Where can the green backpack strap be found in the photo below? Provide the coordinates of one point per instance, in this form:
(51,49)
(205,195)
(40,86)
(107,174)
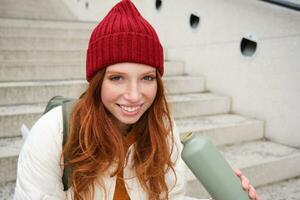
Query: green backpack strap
(54,102)
(66,112)
(67,106)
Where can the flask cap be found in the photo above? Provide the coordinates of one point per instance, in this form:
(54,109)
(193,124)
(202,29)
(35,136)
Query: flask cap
(186,136)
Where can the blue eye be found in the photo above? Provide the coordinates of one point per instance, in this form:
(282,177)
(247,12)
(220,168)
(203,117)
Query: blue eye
(115,78)
(149,78)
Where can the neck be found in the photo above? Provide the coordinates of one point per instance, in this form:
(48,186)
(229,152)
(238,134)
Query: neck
(124,128)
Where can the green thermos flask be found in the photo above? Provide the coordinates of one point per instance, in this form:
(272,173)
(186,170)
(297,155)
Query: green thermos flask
(211,169)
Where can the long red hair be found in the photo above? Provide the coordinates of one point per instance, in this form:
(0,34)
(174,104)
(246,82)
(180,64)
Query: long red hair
(95,142)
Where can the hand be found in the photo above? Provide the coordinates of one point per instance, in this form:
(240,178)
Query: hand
(246,185)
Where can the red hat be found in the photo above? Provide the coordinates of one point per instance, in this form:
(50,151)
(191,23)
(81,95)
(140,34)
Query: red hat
(123,36)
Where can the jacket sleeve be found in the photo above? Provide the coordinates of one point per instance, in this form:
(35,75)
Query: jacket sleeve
(39,173)
(176,186)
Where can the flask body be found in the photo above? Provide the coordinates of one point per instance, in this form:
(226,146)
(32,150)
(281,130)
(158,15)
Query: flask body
(211,169)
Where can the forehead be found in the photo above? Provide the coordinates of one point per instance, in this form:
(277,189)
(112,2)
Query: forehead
(130,68)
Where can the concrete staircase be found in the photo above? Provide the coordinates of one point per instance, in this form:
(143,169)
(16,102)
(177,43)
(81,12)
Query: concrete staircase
(40,59)
(35,9)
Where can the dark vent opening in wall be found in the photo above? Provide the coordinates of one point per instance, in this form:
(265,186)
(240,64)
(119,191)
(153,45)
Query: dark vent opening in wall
(248,47)
(158,4)
(194,20)
(86,5)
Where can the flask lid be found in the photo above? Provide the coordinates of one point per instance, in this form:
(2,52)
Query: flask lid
(186,136)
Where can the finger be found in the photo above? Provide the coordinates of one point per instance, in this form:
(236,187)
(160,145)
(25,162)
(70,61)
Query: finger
(238,172)
(245,182)
(257,197)
(252,192)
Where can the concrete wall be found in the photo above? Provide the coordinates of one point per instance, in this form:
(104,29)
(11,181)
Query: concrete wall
(265,86)
(90,10)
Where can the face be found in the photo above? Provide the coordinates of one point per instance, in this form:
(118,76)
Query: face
(128,90)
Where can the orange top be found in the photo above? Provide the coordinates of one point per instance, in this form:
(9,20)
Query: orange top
(120,190)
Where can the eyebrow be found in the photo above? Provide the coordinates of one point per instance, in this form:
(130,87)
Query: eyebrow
(150,72)
(114,72)
(122,73)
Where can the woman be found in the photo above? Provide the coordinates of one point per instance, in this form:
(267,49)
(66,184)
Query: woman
(122,142)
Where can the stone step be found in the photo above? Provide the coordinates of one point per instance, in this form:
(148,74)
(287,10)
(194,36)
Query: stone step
(34,9)
(9,151)
(33,71)
(263,162)
(44,32)
(26,92)
(177,84)
(283,190)
(223,129)
(173,68)
(46,24)
(7,56)
(44,29)
(28,14)
(12,117)
(7,190)
(39,71)
(37,43)
(54,55)
(198,104)
(29,92)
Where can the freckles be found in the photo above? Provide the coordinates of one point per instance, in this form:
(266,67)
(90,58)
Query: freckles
(154,89)
(107,92)
(110,94)
(151,92)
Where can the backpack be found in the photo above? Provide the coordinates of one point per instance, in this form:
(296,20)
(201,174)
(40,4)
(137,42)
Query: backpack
(67,104)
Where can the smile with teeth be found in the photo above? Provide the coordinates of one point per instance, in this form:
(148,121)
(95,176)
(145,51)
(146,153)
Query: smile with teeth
(130,109)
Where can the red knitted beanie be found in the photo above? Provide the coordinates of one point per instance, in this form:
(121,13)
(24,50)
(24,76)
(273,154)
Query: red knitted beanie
(123,36)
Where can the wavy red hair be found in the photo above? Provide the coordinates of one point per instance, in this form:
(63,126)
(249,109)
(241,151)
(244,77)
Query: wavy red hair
(91,147)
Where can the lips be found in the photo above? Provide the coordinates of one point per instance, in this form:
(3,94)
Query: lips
(130,109)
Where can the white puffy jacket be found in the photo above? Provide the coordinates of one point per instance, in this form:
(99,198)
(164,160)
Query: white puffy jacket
(39,174)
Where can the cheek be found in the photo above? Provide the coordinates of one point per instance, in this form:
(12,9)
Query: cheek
(151,92)
(108,93)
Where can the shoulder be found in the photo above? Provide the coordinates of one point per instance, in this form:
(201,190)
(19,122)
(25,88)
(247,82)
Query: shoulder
(52,119)
(40,160)
(47,130)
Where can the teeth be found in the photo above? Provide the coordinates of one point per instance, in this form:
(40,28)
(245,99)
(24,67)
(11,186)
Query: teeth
(130,109)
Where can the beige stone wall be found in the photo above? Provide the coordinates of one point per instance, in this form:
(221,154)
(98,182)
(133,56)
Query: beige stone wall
(266,85)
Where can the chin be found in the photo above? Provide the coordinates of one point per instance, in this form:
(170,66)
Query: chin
(129,122)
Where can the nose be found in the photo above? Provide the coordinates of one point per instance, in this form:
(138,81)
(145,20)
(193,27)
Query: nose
(133,92)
